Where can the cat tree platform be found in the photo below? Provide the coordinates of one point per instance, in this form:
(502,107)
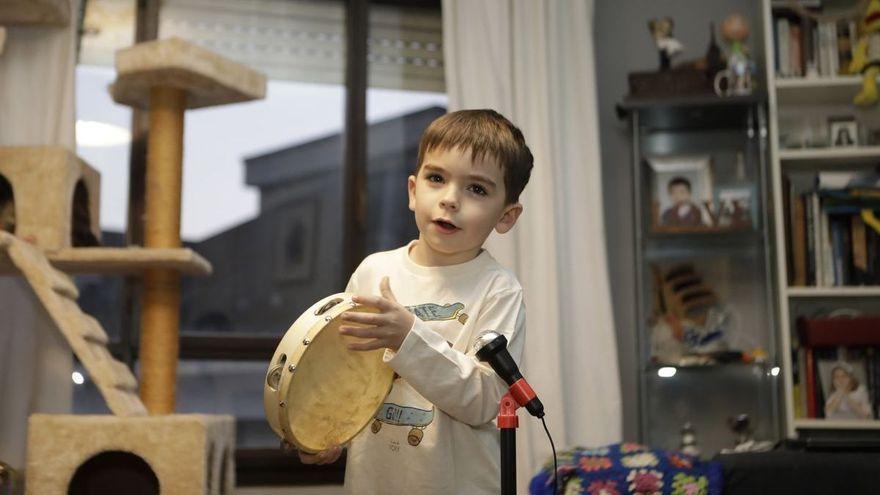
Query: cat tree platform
(35,12)
(207,78)
(121,261)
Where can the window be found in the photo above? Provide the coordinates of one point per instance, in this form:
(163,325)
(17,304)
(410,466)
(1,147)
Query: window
(262,197)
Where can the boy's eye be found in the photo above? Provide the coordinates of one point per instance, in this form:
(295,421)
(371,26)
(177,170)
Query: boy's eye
(434,178)
(478,189)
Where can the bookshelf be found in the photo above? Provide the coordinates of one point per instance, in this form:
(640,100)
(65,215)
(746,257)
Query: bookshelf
(791,98)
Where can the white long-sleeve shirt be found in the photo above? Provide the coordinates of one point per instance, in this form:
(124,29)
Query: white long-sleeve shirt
(435,432)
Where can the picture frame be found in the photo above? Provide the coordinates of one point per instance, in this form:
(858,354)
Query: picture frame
(736,206)
(843,132)
(685,180)
(839,402)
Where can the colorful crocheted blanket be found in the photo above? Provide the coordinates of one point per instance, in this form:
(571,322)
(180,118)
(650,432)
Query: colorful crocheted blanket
(629,468)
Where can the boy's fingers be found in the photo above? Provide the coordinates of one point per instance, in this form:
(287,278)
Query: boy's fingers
(365,318)
(367,346)
(328,456)
(308,458)
(363,332)
(385,289)
(377,302)
(331,455)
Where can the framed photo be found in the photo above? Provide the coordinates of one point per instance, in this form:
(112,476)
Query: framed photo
(843,132)
(736,207)
(296,241)
(681,190)
(845,389)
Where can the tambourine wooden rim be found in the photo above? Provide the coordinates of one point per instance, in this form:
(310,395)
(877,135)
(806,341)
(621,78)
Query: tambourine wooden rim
(314,331)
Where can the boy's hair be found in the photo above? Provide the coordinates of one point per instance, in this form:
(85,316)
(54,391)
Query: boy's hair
(487,134)
(679,181)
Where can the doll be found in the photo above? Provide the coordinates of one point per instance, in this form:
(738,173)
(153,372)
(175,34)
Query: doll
(661,31)
(866,56)
(735,30)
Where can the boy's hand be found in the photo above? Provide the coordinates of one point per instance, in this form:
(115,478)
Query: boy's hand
(328,456)
(388,327)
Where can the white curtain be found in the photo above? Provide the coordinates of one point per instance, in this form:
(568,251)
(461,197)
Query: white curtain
(36,108)
(532,60)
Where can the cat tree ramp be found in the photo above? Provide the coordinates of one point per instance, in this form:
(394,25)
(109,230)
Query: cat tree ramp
(179,453)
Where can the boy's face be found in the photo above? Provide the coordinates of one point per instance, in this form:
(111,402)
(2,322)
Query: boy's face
(679,193)
(457,202)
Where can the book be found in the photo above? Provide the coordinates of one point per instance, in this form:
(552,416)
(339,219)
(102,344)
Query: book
(834,180)
(818,250)
(783,50)
(799,239)
(837,248)
(844,47)
(832,49)
(810,382)
(873,249)
(859,250)
(827,250)
(824,62)
(810,222)
(796,50)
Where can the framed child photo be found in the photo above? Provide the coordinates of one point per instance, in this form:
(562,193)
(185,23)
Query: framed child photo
(845,389)
(681,190)
(843,132)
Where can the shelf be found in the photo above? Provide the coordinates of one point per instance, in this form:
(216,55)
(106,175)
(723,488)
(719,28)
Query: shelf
(717,366)
(659,246)
(861,291)
(830,157)
(129,260)
(694,112)
(698,100)
(834,424)
(838,90)
(693,233)
(785,5)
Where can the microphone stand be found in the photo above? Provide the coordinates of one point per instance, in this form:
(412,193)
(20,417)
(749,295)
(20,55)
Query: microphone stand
(508,422)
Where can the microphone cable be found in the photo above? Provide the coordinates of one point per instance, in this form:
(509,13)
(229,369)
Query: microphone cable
(553,448)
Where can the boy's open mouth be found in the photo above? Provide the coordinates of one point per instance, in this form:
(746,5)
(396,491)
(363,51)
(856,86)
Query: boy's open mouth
(445,225)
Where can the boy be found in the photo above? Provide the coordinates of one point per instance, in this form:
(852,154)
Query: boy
(435,433)
(683,212)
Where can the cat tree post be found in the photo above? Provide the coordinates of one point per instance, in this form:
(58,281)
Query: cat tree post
(160,305)
(167,77)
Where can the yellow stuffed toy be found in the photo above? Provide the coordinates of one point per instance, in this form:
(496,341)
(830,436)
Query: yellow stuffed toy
(866,56)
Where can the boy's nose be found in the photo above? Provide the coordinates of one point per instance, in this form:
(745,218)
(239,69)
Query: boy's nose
(449,203)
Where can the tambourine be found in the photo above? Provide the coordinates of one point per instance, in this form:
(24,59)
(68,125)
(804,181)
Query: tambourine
(317,392)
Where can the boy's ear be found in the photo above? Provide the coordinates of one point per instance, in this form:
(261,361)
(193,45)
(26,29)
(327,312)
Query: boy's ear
(508,218)
(411,191)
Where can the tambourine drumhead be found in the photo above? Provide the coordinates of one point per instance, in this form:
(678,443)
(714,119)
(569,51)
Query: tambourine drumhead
(318,393)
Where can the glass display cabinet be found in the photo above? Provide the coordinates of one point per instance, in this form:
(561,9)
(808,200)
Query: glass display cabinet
(705,290)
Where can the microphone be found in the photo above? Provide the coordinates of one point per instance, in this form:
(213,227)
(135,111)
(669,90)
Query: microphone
(491,348)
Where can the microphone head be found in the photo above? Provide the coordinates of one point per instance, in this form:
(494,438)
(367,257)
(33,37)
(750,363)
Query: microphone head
(488,343)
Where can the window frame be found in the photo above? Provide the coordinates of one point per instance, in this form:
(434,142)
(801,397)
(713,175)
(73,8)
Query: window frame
(262,466)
